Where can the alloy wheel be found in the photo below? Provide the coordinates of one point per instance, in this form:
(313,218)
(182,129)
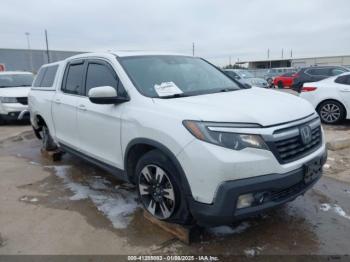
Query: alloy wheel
(330,113)
(156,192)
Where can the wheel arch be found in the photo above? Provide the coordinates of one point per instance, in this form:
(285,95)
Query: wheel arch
(139,146)
(330,100)
(39,122)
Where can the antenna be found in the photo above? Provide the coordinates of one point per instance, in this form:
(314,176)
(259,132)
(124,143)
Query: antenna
(47,47)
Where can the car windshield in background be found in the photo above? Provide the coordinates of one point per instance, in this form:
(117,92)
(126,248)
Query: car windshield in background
(15,80)
(181,75)
(245,74)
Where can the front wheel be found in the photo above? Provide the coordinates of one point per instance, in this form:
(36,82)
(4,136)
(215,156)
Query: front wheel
(47,141)
(159,188)
(331,112)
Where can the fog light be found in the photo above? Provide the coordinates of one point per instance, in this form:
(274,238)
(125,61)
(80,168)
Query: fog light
(245,200)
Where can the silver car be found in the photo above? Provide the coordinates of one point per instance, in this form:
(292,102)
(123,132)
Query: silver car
(246,77)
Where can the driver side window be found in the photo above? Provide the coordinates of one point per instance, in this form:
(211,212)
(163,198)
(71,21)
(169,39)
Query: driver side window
(100,74)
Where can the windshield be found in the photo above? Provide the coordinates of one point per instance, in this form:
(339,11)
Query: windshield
(15,80)
(245,74)
(183,76)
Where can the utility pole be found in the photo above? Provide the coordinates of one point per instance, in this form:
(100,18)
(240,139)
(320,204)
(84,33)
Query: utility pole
(192,49)
(47,47)
(282,53)
(30,55)
(268,53)
(291,53)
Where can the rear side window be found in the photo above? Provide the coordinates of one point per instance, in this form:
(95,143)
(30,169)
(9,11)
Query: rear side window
(39,77)
(318,71)
(74,77)
(337,71)
(100,75)
(49,76)
(345,80)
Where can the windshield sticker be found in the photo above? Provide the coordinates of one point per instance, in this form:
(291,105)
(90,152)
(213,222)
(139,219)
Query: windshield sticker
(167,89)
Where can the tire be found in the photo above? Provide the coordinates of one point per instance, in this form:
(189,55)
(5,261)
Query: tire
(47,142)
(331,112)
(159,188)
(280,84)
(2,121)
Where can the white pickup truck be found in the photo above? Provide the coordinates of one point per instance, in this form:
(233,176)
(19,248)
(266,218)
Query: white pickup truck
(199,146)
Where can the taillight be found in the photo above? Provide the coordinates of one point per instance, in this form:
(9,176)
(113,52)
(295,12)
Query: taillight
(308,89)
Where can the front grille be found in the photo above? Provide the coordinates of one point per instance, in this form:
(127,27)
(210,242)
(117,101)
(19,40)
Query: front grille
(22,100)
(292,148)
(287,192)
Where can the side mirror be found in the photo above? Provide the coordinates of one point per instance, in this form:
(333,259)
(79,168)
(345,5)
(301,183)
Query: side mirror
(105,95)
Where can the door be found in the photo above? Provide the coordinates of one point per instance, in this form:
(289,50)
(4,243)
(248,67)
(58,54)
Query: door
(64,106)
(317,74)
(99,126)
(344,89)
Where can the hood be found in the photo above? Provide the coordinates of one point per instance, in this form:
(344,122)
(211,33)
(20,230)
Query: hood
(14,91)
(254,105)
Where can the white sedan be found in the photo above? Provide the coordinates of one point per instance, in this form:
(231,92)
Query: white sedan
(330,97)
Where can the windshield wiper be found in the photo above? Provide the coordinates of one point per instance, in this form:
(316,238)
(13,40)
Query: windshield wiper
(173,96)
(228,89)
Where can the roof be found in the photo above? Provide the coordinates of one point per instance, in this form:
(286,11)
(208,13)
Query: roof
(15,73)
(125,54)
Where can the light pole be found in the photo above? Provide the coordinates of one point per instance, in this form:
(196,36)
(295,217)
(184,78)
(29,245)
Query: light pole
(29,52)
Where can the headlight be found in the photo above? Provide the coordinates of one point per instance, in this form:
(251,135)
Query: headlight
(8,100)
(201,130)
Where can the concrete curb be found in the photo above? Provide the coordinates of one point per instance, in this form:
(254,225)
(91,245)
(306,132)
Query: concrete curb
(338,144)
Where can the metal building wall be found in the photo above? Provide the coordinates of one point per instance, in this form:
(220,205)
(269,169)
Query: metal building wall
(322,61)
(30,60)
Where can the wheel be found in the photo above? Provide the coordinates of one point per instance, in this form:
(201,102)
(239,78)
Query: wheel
(280,84)
(47,142)
(331,112)
(2,121)
(159,188)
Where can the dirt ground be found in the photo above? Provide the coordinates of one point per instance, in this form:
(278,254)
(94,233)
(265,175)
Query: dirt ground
(72,207)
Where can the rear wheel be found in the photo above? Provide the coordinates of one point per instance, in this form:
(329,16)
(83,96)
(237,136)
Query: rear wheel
(159,188)
(331,112)
(47,141)
(280,84)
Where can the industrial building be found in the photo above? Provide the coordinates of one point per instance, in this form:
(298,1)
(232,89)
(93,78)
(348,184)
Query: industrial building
(299,62)
(30,59)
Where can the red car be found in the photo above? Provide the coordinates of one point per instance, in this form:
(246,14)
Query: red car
(285,80)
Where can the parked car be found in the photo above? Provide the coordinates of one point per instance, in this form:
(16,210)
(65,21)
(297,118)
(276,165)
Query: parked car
(273,72)
(197,145)
(330,97)
(246,77)
(14,89)
(315,73)
(285,80)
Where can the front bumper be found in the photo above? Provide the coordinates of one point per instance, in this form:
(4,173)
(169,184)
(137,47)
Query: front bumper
(282,187)
(13,116)
(6,108)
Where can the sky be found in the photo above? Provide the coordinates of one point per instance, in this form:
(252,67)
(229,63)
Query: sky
(221,30)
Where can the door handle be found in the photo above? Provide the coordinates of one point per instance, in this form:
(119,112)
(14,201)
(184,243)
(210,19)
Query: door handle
(57,101)
(345,89)
(82,107)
